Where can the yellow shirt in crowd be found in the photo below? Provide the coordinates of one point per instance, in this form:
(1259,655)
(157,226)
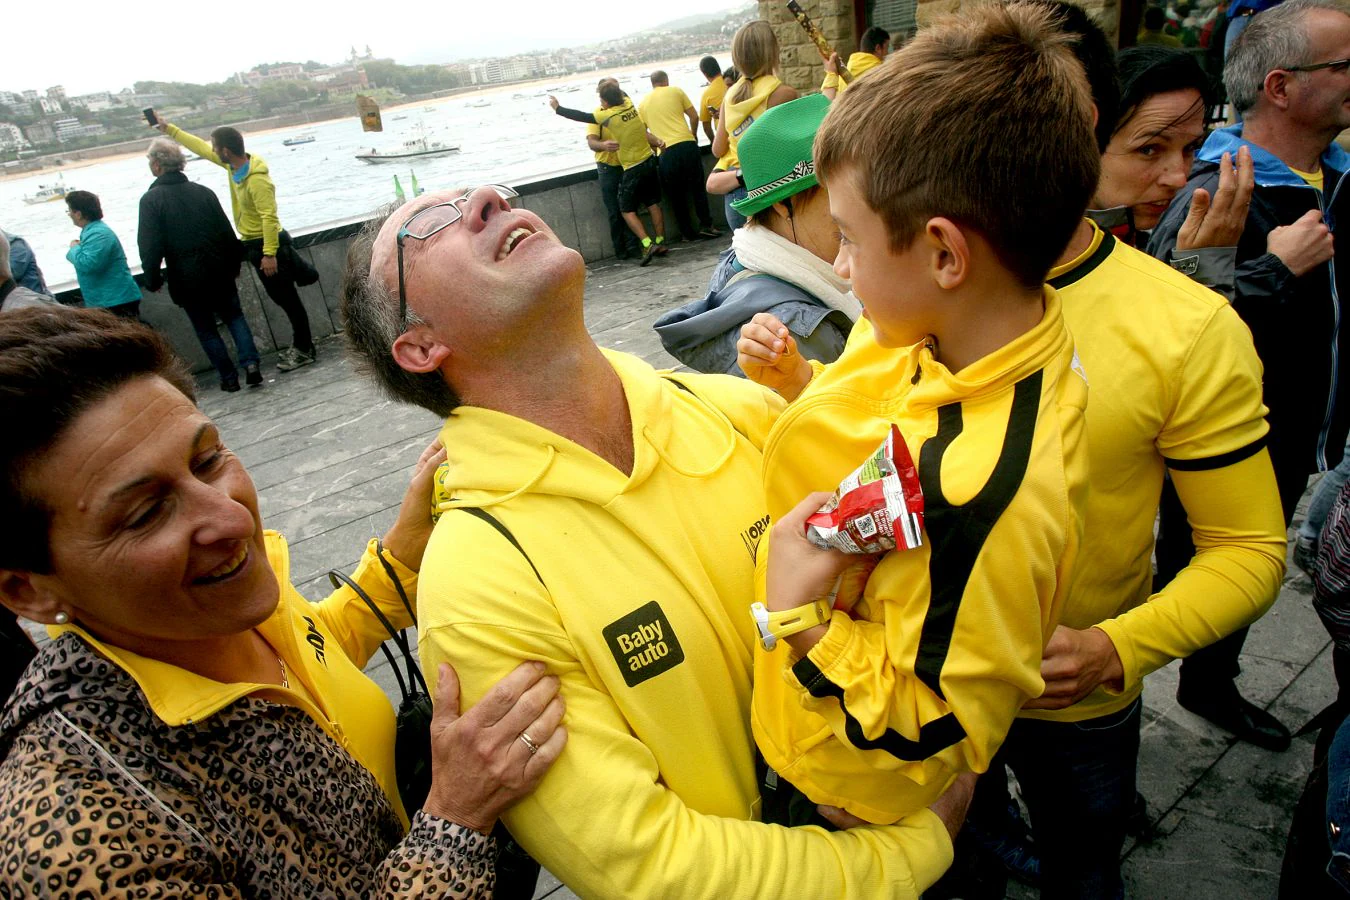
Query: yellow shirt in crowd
(664,112)
(608,157)
(711,101)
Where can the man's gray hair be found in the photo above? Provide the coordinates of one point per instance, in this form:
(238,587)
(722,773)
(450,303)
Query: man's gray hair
(1274,39)
(167,154)
(5,272)
(370,320)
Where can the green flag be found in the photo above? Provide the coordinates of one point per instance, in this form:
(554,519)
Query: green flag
(398,191)
(417,191)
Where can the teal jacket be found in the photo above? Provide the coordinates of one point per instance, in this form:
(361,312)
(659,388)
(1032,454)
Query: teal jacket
(101,267)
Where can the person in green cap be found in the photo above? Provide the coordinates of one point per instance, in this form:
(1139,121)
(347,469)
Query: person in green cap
(780,262)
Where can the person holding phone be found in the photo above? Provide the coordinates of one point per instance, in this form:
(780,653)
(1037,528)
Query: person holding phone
(268,247)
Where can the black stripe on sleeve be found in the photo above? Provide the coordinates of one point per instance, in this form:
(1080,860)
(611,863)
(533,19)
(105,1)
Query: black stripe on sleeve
(957,533)
(1217,462)
(934,737)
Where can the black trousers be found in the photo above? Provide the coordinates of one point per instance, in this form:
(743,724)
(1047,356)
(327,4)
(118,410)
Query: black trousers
(683,183)
(281,288)
(1218,662)
(625,242)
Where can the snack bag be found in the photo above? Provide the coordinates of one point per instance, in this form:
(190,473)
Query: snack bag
(877,508)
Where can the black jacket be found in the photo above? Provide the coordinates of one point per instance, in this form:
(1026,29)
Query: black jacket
(183,225)
(1295,321)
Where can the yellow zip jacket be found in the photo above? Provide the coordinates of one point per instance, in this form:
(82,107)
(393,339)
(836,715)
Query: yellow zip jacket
(1177,388)
(254,201)
(325,645)
(857,64)
(924,679)
(639,607)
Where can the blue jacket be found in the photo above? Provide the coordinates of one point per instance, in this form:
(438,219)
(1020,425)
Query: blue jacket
(703,334)
(23,266)
(101,267)
(1296,322)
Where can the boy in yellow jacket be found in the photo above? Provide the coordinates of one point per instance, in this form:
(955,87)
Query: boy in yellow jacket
(933,167)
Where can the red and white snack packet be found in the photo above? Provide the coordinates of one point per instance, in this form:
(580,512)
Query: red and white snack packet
(877,508)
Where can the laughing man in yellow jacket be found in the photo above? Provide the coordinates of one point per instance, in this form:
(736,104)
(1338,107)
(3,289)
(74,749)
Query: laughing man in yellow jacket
(632,504)
(872,49)
(878,709)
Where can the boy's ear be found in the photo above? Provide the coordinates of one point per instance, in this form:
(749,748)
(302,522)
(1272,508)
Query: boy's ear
(418,350)
(950,253)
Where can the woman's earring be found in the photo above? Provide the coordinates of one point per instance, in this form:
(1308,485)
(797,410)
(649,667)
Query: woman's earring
(62,618)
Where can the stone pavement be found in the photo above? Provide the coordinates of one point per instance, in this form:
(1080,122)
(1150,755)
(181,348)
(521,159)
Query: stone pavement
(330,458)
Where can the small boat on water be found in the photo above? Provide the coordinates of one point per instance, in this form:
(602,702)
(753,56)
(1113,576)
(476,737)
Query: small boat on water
(479,103)
(413,149)
(48,193)
(306,138)
(428,109)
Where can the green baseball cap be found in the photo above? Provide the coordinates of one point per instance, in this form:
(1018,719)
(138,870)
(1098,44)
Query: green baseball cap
(775,153)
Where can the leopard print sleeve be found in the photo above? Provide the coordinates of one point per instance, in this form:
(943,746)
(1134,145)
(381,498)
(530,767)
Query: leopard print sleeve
(440,859)
(71,829)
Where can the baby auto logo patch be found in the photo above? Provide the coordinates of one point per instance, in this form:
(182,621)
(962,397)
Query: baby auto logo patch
(643,643)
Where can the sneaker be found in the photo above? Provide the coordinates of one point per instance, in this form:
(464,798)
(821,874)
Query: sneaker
(661,248)
(649,253)
(1305,553)
(252,375)
(230,385)
(293,358)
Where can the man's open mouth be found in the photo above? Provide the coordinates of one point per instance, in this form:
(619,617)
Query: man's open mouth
(516,235)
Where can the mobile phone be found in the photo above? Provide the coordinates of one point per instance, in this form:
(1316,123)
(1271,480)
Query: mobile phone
(149,113)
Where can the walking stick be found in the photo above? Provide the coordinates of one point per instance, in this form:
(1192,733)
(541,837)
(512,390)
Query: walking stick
(817,38)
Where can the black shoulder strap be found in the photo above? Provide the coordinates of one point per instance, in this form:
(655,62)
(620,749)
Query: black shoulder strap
(504,532)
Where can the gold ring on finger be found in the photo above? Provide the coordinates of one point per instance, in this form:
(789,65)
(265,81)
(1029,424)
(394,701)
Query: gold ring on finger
(524,738)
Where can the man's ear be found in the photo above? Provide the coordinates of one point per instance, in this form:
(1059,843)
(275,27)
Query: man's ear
(1276,88)
(949,252)
(418,350)
(22,595)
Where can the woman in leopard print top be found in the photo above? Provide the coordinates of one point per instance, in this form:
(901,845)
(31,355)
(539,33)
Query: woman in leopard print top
(195,727)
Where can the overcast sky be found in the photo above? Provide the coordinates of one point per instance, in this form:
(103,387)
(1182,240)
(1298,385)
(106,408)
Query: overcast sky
(96,45)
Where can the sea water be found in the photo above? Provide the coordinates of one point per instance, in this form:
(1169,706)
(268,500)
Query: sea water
(515,140)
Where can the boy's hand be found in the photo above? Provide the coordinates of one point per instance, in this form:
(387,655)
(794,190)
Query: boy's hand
(800,572)
(767,354)
(954,803)
(1073,664)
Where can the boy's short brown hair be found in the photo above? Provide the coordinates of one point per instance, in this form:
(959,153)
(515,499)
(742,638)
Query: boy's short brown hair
(984,118)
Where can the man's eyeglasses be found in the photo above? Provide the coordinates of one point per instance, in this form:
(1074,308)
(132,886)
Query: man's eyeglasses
(1339,66)
(426,222)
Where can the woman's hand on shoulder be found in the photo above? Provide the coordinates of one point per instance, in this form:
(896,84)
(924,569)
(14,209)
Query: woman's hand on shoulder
(767,354)
(1220,220)
(407,538)
(496,753)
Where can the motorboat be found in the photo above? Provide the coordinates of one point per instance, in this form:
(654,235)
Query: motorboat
(413,149)
(306,138)
(48,193)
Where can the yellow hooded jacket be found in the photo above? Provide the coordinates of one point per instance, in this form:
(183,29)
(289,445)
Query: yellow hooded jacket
(924,679)
(639,607)
(254,201)
(857,64)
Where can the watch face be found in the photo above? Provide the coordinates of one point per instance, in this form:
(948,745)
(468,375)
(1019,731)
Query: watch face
(760,613)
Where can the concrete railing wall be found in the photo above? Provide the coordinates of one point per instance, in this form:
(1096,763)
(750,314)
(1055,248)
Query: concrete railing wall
(568,201)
